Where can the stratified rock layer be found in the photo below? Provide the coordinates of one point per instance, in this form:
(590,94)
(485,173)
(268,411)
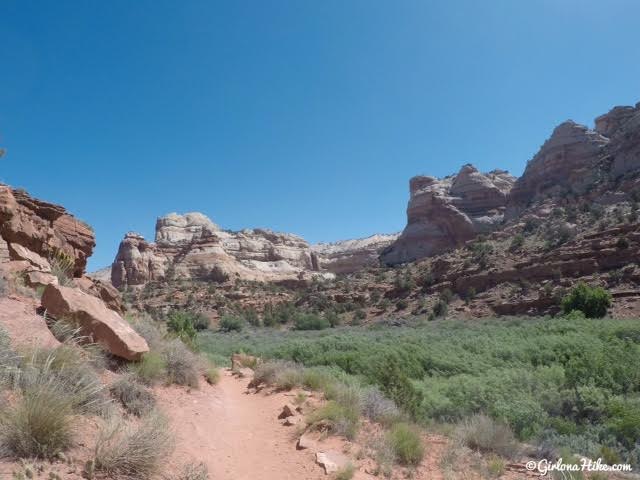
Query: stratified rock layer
(348,256)
(445,213)
(33,226)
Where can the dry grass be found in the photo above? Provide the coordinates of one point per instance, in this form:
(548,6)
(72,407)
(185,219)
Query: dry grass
(39,424)
(483,434)
(135,398)
(191,471)
(181,364)
(406,444)
(133,451)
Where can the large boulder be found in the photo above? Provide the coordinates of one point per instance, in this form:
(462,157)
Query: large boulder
(95,320)
(445,213)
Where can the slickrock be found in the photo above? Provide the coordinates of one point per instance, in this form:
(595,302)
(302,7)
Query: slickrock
(95,320)
(331,461)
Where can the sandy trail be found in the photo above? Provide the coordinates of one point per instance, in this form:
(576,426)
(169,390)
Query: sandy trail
(238,436)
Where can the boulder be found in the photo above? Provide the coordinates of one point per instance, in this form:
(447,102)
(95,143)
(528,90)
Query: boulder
(95,320)
(305,442)
(331,461)
(26,329)
(18,252)
(103,290)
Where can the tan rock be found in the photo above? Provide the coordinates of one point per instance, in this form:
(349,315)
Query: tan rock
(105,326)
(37,279)
(26,329)
(331,461)
(305,442)
(18,252)
(349,256)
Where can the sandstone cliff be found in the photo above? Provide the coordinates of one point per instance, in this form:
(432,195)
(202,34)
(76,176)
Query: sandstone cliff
(192,246)
(348,256)
(445,213)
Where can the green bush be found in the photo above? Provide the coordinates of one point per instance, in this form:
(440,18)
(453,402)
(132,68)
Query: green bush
(310,321)
(182,324)
(341,419)
(592,301)
(182,365)
(151,369)
(230,323)
(406,444)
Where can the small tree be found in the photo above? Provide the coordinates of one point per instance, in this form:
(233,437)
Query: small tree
(592,301)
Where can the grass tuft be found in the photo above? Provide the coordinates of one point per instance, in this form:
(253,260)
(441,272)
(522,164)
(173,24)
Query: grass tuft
(406,444)
(486,435)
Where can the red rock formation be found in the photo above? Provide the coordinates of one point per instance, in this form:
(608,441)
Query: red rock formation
(443,214)
(43,228)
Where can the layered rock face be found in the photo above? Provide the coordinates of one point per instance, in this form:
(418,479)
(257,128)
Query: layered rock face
(445,213)
(565,163)
(622,126)
(348,256)
(192,246)
(41,229)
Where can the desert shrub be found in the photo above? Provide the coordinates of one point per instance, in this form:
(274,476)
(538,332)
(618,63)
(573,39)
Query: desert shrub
(481,251)
(67,369)
(229,323)
(9,359)
(340,419)
(181,364)
(624,420)
(377,407)
(182,324)
(592,301)
(440,309)
(359,315)
(484,434)
(151,369)
(135,398)
(333,318)
(310,321)
(212,375)
(150,330)
(517,242)
(404,282)
(40,423)
(622,243)
(346,473)
(62,267)
(133,451)
(406,444)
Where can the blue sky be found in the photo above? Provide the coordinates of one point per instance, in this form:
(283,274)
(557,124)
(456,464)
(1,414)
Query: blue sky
(302,116)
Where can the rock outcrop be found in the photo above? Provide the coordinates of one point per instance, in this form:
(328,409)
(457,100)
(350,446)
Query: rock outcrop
(622,126)
(30,226)
(445,213)
(95,320)
(566,163)
(192,246)
(348,256)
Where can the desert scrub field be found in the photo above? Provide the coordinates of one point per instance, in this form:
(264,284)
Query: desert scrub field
(565,383)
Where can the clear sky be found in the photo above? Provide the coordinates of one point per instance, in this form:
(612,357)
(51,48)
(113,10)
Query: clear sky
(305,116)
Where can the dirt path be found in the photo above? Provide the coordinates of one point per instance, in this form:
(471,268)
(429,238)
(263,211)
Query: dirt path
(238,436)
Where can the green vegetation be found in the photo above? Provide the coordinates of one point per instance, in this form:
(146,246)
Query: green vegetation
(186,324)
(346,473)
(560,381)
(62,266)
(592,301)
(229,323)
(406,444)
